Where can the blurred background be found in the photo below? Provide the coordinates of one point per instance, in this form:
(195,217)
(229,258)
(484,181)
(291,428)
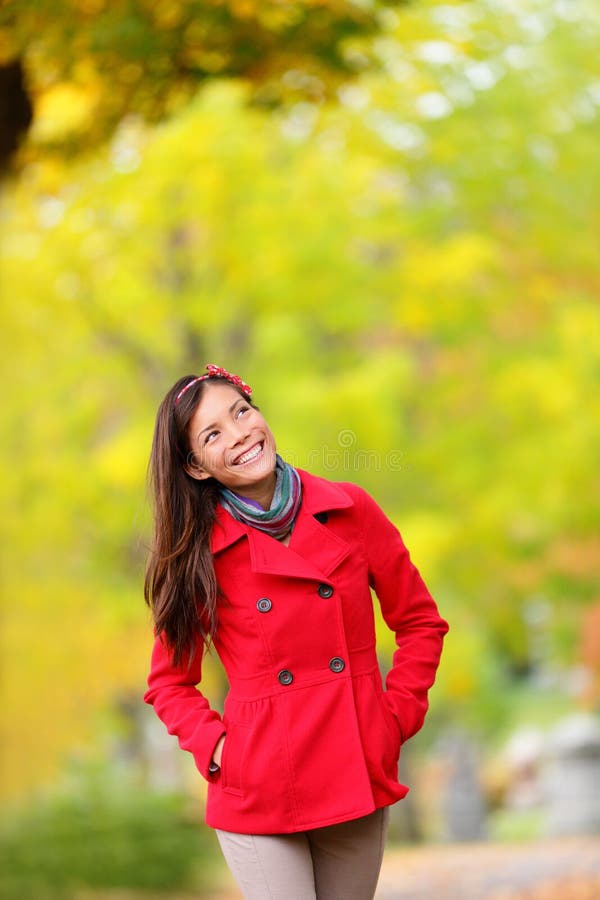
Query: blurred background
(385,217)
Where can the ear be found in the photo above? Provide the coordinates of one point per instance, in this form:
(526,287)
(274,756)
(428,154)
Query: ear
(194,470)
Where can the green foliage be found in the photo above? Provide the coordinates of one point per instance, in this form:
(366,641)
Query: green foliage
(409,282)
(510,825)
(90,62)
(102,833)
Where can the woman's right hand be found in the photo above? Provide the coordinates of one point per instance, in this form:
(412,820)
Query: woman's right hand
(218,751)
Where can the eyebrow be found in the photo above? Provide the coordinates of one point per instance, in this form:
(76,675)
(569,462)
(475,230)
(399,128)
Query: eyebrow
(214,424)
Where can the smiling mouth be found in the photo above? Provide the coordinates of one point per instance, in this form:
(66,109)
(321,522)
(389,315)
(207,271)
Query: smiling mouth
(250,455)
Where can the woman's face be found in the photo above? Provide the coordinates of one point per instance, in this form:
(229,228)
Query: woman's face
(231,442)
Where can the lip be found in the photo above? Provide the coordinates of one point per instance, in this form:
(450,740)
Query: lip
(260,444)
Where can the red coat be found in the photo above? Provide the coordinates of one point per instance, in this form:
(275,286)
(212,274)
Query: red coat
(312,737)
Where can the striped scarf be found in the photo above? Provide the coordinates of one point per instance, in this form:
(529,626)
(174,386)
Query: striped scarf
(279,518)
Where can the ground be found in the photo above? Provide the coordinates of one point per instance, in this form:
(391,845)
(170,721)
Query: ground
(565,869)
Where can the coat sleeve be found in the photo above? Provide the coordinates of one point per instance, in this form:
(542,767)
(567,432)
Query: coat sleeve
(408,610)
(182,707)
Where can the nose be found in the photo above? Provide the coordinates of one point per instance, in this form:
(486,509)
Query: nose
(238,432)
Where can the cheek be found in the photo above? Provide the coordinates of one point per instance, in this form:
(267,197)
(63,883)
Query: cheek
(258,421)
(210,457)
(265,425)
(269,434)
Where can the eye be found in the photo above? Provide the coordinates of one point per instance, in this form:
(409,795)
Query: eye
(209,436)
(242,409)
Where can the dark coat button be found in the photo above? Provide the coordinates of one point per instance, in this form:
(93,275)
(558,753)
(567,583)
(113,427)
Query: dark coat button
(337,664)
(324,590)
(285,677)
(264,604)
(321,517)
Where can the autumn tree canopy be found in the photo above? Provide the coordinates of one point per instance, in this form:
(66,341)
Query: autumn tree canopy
(409,280)
(84,64)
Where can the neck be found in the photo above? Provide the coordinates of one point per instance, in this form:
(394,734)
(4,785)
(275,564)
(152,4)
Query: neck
(254,508)
(261,493)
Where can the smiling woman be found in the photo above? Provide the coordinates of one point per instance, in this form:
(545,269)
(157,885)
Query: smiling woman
(275,566)
(231,441)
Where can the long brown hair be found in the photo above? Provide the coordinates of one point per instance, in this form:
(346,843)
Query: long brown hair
(180,585)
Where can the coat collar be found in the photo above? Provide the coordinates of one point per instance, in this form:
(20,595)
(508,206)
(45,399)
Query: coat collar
(314,550)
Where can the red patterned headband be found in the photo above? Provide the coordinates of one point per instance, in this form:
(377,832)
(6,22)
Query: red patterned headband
(213,372)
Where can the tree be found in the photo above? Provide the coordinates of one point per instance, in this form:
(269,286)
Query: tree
(409,282)
(90,62)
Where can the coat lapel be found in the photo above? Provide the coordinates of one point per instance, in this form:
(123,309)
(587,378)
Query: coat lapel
(270,557)
(314,550)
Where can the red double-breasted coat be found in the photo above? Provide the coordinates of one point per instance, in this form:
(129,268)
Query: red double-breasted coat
(312,736)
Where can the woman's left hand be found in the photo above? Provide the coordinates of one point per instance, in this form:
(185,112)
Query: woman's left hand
(218,751)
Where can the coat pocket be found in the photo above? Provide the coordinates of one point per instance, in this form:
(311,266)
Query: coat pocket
(232,760)
(391,722)
(380,733)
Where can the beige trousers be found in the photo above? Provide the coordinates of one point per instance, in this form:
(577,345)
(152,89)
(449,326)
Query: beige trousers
(337,862)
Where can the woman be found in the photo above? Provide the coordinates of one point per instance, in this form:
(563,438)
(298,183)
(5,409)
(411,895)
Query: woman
(274,566)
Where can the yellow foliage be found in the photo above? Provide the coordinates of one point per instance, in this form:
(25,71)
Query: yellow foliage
(444,267)
(430,536)
(121,460)
(460,677)
(312,251)
(63,110)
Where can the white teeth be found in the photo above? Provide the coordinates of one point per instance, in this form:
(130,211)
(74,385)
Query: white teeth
(251,454)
